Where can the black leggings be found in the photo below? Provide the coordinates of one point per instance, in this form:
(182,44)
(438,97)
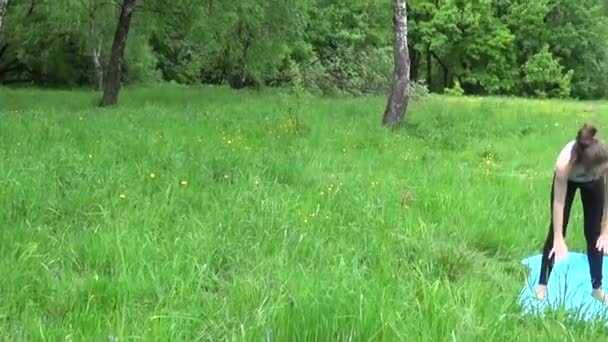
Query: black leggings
(592,198)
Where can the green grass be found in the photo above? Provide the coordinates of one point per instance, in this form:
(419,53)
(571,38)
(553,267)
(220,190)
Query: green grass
(255,228)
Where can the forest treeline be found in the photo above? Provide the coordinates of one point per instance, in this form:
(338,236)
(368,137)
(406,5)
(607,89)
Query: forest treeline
(548,48)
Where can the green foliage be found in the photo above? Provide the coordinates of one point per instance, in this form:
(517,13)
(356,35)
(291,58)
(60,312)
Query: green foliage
(48,44)
(140,61)
(577,35)
(485,44)
(197,214)
(485,50)
(353,71)
(545,77)
(178,59)
(565,84)
(491,47)
(456,90)
(418,90)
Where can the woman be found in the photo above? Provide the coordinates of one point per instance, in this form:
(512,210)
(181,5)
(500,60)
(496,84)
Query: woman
(581,164)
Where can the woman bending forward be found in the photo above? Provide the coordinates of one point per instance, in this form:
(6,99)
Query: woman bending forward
(582,164)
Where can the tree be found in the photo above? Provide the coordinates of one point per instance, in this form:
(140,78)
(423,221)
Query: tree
(3,6)
(115,65)
(96,42)
(399,96)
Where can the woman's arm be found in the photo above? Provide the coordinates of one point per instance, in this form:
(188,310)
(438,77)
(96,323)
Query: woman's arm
(602,240)
(560,186)
(604,218)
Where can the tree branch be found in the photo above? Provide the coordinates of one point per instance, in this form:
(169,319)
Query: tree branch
(13,65)
(438,59)
(3,49)
(444,67)
(32,6)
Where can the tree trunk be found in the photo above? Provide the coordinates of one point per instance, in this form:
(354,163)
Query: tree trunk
(97,40)
(414,63)
(429,67)
(97,64)
(114,73)
(444,68)
(399,97)
(3,7)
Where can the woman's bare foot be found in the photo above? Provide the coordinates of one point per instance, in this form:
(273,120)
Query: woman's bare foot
(600,295)
(541,292)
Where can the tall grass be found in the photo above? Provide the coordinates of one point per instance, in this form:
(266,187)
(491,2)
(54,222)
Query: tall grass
(209,214)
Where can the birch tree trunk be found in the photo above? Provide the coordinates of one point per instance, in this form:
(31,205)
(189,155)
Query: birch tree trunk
(96,52)
(97,64)
(3,6)
(113,79)
(399,97)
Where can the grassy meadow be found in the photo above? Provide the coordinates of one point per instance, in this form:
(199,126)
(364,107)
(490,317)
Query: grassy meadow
(210,214)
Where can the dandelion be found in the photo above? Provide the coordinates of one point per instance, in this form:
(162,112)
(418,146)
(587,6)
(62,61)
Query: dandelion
(184,183)
(123,196)
(322,193)
(90,156)
(152,175)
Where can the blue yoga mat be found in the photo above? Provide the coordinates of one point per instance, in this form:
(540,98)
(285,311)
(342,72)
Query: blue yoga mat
(569,288)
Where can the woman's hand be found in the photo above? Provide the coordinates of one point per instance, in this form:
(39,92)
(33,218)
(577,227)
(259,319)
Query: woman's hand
(560,250)
(602,243)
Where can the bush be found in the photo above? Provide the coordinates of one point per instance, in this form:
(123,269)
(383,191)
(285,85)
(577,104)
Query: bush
(351,71)
(544,77)
(418,90)
(456,90)
(140,61)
